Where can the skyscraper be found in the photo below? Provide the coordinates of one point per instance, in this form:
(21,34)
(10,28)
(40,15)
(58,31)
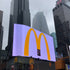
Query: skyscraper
(1,29)
(20,14)
(39,23)
(62,24)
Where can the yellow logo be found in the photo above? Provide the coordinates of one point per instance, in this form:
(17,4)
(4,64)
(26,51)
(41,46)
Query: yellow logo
(38,41)
(15,60)
(31,61)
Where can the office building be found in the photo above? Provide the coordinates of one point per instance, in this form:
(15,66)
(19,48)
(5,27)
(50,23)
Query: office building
(3,55)
(39,23)
(1,29)
(20,14)
(3,59)
(62,24)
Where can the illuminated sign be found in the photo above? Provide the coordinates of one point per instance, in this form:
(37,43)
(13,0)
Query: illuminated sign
(29,42)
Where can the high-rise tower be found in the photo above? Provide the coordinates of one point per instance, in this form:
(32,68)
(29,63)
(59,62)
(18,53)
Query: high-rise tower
(20,14)
(62,25)
(39,23)
(20,11)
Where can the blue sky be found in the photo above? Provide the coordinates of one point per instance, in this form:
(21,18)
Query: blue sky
(45,6)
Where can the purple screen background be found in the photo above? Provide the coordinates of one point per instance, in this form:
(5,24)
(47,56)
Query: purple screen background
(20,32)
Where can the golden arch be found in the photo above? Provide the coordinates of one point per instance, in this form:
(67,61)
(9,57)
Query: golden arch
(26,47)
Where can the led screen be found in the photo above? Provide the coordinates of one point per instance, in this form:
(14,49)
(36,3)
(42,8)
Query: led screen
(29,42)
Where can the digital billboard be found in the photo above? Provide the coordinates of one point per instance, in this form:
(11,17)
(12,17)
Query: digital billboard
(29,42)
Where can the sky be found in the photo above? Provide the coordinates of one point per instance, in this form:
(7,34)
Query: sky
(35,6)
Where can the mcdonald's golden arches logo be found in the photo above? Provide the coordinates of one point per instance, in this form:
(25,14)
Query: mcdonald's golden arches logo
(26,47)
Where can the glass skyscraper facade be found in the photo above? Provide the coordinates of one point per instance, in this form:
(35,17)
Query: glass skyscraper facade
(20,14)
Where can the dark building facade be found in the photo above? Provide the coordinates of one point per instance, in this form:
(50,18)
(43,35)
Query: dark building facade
(62,25)
(20,14)
(20,11)
(62,1)
(1,29)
